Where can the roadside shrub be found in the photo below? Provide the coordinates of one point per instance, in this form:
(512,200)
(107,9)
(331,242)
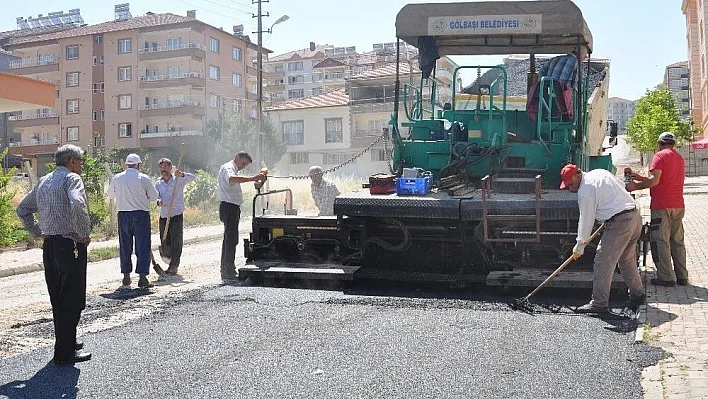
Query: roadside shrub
(202,189)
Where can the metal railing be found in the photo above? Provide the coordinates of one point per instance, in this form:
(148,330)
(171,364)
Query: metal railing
(49,59)
(171,104)
(170,76)
(33,142)
(169,133)
(159,49)
(41,115)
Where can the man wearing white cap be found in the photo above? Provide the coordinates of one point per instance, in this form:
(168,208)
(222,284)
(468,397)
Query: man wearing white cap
(133,192)
(665,183)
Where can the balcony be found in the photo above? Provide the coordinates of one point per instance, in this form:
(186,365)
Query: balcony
(272,74)
(170,80)
(35,146)
(175,51)
(43,64)
(172,108)
(171,133)
(36,119)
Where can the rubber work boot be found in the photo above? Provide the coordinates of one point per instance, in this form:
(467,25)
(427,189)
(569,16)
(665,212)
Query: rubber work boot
(143,282)
(635,302)
(682,281)
(663,283)
(126,279)
(171,270)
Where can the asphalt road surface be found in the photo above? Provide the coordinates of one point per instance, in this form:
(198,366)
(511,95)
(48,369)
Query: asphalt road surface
(216,341)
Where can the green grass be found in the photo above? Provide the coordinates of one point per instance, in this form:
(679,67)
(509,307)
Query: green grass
(99,254)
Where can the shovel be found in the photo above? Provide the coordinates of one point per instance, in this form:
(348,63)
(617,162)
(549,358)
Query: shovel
(165,249)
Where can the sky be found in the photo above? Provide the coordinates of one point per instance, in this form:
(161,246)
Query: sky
(640,37)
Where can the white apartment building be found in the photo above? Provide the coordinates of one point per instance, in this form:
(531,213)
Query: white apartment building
(676,80)
(621,111)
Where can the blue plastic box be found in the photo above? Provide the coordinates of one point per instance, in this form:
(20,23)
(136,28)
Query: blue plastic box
(414,186)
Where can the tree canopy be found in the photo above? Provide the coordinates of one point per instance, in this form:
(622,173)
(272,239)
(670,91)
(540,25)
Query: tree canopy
(656,113)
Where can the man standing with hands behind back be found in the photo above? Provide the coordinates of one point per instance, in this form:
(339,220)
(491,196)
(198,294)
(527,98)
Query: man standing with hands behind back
(60,200)
(228,183)
(133,192)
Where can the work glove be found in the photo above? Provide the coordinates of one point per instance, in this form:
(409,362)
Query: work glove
(578,250)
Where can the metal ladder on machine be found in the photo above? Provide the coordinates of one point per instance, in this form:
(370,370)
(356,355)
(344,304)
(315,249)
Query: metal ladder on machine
(486,217)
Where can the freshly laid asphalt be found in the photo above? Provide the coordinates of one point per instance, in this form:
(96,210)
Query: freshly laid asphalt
(264,342)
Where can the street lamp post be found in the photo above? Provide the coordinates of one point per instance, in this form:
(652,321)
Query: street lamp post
(259,94)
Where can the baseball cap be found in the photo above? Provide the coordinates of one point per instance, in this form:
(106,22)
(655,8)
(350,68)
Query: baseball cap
(667,137)
(567,174)
(133,159)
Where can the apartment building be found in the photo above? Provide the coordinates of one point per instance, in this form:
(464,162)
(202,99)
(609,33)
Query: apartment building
(331,128)
(136,82)
(621,111)
(696,12)
(676,80)
(322,68)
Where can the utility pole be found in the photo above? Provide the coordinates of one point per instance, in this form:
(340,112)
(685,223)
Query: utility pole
(259,90)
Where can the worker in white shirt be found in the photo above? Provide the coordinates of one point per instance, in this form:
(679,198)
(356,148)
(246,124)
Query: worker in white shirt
(602,197)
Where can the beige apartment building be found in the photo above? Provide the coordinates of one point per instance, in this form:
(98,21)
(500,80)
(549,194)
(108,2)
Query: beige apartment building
(676,80)
(696,20)
(136,82)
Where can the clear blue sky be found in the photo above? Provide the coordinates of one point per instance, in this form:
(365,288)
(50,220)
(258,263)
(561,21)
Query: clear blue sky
(641,37)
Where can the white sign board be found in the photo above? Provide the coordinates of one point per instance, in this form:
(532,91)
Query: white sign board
(485,25)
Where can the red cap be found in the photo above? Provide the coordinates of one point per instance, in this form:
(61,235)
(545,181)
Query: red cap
(567,174)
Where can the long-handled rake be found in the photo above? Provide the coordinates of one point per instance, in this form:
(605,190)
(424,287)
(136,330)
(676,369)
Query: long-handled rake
(524,303)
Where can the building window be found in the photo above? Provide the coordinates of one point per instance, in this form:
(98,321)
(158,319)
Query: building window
(337,158)
(72,133)
(213,101)
(124,74)
(95,60)
(378,154)
(299,158)
(94,115)
(124,46)
(98,40)
(236,80)
(72,52)
(213,45)
(297,79)
(174,43)
(236,53)
(294,132)
(72,106)
(317,91)
(103,115)
(98,88)
(72,79)
(125,101)
(333,130)
(238,106)
(98,141)
(279,68)
(125,130)
(297,93)
(295,66)
(100,60)
(213,72)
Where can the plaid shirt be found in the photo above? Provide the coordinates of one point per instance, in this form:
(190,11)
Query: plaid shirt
(60,199)
(324,197)
(561,68)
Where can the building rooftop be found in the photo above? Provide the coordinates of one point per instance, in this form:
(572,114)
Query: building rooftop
(301,54)
(386,71)
(335,98)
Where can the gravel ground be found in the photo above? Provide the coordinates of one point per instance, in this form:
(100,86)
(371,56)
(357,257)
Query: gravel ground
(260,342)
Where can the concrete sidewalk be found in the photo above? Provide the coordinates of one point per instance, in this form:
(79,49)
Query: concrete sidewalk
(26,261)
(678,316)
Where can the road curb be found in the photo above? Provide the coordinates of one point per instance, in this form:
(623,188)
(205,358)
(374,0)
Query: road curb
(38,266)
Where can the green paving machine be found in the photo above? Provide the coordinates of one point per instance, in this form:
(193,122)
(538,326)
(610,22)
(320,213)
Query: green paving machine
(477,191)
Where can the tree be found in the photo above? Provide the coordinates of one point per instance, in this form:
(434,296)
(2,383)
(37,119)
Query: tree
(655,113)
(230,135)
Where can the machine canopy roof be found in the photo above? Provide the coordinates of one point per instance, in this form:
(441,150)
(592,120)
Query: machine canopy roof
(497,27)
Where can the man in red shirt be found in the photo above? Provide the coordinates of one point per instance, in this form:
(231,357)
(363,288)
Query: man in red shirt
(667,173)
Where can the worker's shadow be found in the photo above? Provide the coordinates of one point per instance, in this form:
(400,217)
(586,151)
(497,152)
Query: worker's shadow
(51,381)
(125,293)
(171,279)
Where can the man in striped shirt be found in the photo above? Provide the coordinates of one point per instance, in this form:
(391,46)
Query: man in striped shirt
(61,202)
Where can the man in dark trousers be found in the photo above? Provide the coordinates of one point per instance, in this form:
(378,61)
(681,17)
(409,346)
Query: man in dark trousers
(165,187)
(228,183)
(665,184)
(60,200)
(133,192)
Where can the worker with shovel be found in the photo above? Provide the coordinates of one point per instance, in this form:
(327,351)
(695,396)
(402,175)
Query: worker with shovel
(170,190)
(602,197)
